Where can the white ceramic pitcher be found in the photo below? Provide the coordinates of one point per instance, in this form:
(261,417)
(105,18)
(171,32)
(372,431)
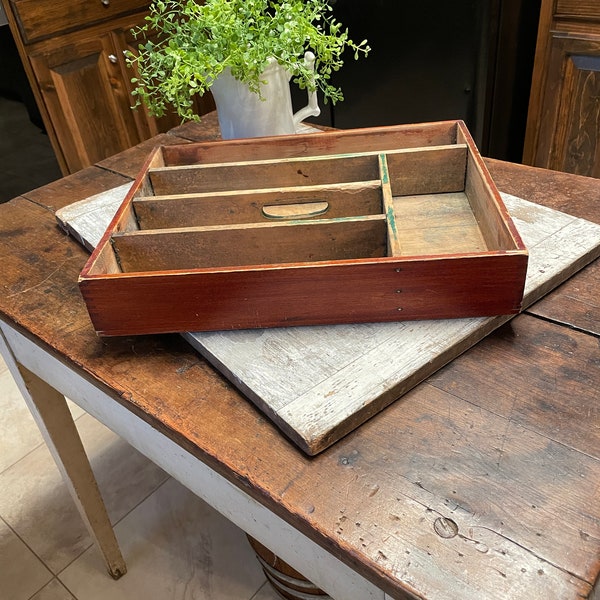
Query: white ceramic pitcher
(242,113)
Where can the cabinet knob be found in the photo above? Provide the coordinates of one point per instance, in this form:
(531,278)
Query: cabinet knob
(113,59)
(105,2)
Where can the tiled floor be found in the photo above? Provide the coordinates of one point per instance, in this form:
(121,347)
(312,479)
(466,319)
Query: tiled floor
(176,547)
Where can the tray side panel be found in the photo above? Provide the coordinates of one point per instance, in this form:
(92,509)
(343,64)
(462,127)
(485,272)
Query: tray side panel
(496,225)
(315,144)
(489,215)
(340,293)
(103,259)
(104,262)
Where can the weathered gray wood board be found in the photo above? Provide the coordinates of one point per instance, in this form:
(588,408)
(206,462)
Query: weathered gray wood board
(88,219)
(319,383)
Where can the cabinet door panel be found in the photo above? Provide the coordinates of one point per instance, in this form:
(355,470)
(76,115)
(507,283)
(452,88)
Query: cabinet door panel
(580,151)
(570,137)
(86,99)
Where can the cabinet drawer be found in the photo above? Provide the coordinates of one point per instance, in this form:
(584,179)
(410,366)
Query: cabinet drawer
(589,9)
(39,19)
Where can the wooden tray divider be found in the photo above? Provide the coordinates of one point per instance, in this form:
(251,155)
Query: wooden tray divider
(427,170)
(264,174)
(393,243)
(417,166)
(250,206)
(252,244)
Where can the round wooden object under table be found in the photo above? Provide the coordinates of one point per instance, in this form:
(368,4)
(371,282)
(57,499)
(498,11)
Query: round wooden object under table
(288,583)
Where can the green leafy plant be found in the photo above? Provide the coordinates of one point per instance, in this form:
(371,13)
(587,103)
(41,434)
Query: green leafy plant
(185,45)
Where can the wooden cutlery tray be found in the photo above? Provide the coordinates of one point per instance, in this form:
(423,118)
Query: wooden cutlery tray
(381,224)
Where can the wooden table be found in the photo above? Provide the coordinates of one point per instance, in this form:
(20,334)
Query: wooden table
(482,483)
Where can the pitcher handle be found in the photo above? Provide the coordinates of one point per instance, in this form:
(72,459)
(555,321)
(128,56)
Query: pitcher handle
(312,108)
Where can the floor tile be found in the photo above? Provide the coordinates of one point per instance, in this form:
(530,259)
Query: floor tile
(19,434)
(176,547)
(21,572)
(55,590)
(267,592)
(35,502)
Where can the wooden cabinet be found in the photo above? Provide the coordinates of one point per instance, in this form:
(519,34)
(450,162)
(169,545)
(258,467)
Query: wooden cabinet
(563,127)
(73,54)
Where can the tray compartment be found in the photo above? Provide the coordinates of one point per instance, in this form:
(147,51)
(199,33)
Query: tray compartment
(437,224)
(432,211)
(492,217)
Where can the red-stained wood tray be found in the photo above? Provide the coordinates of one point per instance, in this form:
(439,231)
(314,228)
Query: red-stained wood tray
(382,224)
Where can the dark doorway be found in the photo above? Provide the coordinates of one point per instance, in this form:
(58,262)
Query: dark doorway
(434,60)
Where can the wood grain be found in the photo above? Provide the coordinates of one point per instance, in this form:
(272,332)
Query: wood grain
(427,171)
(577,304)
(321,409)
(572,144)
(575,195)
(262,174)
(382,498)
(437,224)
(311,413)
(587,9)
(552,348)
(285,146)
(44,19)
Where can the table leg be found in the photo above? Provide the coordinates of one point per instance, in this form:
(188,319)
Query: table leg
(52,415)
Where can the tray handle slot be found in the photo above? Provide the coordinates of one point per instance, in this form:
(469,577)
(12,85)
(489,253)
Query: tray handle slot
(299,210)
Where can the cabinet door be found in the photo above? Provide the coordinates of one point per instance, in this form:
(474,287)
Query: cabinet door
(569,136)
(86,97)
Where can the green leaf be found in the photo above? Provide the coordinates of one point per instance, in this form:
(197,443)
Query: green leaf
(185,45)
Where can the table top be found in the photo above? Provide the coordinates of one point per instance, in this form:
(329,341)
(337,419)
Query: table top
(482,482)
